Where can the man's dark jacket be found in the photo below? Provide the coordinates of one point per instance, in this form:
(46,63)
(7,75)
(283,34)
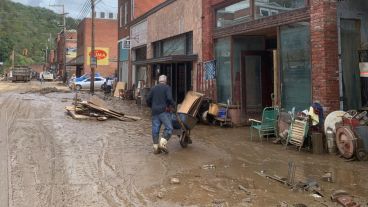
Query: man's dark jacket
(159,98)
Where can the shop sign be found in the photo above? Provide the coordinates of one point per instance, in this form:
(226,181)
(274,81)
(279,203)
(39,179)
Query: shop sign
(101,55)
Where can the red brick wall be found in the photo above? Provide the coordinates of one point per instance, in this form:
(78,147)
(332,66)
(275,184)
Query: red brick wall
(207,28)
(106,36)
(324,42)
(208,22)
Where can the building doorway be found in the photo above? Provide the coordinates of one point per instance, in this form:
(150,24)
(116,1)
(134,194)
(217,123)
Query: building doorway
(256,80)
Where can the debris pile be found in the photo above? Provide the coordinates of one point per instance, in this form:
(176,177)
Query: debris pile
(96,108)
(46,90)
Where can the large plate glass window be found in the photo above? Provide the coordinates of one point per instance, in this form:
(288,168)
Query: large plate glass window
(223,67)
(233,14)
(264,8)
(296,66)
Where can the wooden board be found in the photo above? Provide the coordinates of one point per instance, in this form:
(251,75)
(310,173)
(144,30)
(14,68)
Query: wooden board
(71,112)
(97,101)
(119,86)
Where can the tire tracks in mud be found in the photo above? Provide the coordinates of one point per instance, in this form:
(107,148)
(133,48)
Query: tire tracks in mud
(31,168)
(122,192)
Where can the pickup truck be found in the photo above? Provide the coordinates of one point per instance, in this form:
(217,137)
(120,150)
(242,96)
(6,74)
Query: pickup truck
(21,73)
(47,76)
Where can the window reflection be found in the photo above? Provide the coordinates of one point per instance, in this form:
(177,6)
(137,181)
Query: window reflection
(241,11)
(233,14)
(264,8)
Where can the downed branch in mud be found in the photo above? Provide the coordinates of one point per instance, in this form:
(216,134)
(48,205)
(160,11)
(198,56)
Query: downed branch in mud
(96,108)
(47,90)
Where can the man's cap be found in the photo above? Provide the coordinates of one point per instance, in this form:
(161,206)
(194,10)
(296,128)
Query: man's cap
(162,79)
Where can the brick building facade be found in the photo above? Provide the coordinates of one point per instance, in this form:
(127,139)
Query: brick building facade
(298,41)
(65,43)
(106,35)
(129,12)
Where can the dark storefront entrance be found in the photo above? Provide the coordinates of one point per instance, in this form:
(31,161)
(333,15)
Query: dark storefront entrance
(256,80)
(178,77)
(177,68)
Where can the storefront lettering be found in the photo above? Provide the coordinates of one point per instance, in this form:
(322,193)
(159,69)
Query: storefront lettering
(99,54)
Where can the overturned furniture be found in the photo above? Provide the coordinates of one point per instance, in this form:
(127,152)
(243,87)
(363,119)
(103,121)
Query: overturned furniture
(298,131)
(185,117)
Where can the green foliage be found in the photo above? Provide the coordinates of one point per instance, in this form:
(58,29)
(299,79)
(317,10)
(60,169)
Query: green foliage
(24,27)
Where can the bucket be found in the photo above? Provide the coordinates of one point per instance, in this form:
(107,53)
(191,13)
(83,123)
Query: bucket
(331,144)
(317,143)
(222,113)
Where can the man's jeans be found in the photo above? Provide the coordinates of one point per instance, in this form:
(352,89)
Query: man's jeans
(157,121)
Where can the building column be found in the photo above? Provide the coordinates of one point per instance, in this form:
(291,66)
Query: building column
(324,49)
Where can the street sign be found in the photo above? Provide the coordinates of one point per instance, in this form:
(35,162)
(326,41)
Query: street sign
(93,62)
(125,44)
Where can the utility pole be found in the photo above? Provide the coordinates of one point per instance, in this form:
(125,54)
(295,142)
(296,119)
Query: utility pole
(64,43)
(13,58)
(93,61)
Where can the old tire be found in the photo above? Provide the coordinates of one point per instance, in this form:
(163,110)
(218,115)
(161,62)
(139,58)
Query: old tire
(346,142)
(78,87)
(361,155)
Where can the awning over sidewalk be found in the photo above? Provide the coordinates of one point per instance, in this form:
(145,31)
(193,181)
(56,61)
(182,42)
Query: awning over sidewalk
(75,61)
(167,59)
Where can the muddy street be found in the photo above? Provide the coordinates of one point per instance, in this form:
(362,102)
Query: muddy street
(50,159)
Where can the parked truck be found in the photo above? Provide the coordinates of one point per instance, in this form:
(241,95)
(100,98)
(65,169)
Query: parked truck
(47,76)
(21,73)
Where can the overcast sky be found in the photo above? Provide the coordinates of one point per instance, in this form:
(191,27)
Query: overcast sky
(73,7)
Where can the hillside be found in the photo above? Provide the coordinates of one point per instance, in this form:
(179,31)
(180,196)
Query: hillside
(24,27)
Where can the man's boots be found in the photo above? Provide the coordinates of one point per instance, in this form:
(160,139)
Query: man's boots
(163,145)
(156,149)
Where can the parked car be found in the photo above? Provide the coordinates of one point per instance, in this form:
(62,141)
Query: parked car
(85,76)
(86,83)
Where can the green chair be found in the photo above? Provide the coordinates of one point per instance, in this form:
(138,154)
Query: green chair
(267,126)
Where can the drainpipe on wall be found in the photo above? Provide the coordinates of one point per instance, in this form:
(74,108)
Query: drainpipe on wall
(340,65)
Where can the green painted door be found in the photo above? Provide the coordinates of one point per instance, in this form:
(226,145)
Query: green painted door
(350,43)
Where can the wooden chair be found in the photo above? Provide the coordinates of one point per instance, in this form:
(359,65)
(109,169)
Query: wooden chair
(267,126)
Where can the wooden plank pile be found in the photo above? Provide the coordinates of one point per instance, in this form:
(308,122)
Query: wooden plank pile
(96,108)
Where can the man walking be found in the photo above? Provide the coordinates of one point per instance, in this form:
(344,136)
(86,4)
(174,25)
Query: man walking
(41,78)
(160,101)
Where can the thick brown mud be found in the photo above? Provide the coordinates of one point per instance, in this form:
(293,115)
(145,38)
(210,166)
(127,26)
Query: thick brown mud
(50,159)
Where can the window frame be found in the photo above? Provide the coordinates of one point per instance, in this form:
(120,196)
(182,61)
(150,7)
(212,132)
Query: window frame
(252,7)
(121,16)
(126,13)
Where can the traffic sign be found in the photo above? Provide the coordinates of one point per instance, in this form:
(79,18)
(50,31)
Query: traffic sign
(93,62)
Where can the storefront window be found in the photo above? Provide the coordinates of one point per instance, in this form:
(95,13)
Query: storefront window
(233,14)
(296,66)
(264,8)
(179,45)
(223,67)
(174,46)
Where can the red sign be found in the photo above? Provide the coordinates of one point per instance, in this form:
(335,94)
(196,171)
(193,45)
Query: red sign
(99,54)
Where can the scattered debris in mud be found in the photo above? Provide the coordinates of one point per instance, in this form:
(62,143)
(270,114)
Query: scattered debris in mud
(96,108)
(174,181)
(47,90)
